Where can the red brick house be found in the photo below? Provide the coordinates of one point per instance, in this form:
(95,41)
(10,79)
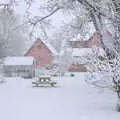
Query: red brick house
(83,48)
(93,41)
(43,52)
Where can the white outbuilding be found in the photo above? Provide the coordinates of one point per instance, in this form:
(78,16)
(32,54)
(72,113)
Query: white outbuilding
(20,66)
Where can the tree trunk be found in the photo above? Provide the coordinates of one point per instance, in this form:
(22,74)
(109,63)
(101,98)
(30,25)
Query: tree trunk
(97,22)
(116,8)
(118,105)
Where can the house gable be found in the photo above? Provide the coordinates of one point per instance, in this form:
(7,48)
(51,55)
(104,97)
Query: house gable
(93,41)
(82,49)
(42,54)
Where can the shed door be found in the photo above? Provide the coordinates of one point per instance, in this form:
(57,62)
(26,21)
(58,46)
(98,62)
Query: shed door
(14,74)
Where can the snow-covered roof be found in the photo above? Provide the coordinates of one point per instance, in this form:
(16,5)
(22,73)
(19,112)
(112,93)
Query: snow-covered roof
(50,47)
(18,60)
(47,43)
(80,52)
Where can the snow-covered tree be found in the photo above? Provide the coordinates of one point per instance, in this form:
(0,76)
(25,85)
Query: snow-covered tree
(83,11)
(12,39)
(101,13)
(63,61)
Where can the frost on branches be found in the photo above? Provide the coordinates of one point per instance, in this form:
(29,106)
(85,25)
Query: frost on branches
(12,41)
(104,70)
(63,61)
(104,73)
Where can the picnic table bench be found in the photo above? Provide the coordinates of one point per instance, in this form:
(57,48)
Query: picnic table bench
(43,81)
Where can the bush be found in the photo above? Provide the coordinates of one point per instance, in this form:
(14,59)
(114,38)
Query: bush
(72,75)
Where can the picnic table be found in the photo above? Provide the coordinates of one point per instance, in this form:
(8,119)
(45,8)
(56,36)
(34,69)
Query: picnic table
(44,81)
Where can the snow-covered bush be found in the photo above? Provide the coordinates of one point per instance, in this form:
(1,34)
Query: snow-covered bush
(72,74)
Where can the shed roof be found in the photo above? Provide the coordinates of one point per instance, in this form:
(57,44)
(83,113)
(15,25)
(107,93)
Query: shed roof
(46,43)
(18,60)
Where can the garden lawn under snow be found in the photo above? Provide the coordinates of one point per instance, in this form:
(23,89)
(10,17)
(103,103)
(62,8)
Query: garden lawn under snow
(72,99)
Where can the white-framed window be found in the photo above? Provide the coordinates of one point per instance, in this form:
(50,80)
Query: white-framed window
(37,61)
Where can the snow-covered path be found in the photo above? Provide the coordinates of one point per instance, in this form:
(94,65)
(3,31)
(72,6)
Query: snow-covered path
(71,100)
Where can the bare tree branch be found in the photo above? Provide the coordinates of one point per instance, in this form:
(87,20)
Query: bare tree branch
(95,8)
(34,22)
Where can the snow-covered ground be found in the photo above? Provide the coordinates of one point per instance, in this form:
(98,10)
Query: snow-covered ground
(72,99)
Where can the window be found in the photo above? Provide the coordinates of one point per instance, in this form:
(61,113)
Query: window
(37,61)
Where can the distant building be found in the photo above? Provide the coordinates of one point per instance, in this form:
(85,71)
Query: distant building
(19,66)
(93,41)
(82,49)
(43,52)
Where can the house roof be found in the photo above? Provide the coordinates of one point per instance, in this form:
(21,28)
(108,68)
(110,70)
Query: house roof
(18,60)
(50,47)
(82,52)
(84,48)
(93,41)
(46,43)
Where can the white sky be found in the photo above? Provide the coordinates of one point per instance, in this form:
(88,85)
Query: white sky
(58,19)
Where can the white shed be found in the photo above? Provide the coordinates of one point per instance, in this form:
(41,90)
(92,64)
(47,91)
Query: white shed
(21,66)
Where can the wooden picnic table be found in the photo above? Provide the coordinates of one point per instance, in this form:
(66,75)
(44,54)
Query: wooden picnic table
(44,81)
(44,78)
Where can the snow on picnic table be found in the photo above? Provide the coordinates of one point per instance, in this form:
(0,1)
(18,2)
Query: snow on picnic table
(73,99)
